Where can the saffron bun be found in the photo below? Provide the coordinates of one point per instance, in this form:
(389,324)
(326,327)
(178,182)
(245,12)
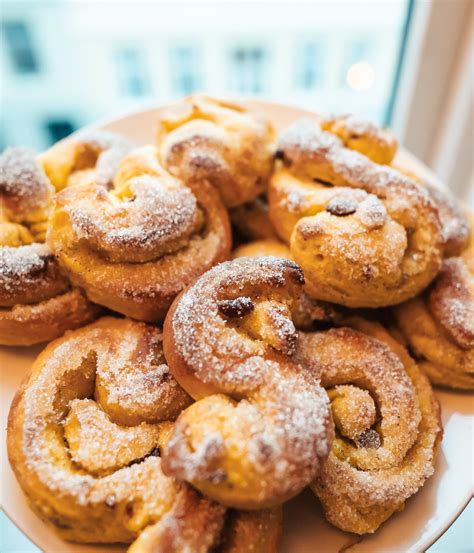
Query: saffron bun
(376,143)
(37,302)
(220,142)
(134,247)
(438,326)
(388,425)
(380,145)
(85,429)
(194,529)
(85,157)
(261,427)
(456,222)
(85,433)
(364,234)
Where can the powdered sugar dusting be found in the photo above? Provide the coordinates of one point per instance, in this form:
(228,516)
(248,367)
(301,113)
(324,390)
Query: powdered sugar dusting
(28,274)
(111,149)
(455,227)
(115,265)
(311,154)
(23,184)
(375,142)
(161,217)
(364,481)
(451,300)
(58,405)
(285,451)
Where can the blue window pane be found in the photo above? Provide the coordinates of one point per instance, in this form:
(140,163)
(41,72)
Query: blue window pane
(311,66)
(19,44)
(131,72)
(184,70)
(248,69)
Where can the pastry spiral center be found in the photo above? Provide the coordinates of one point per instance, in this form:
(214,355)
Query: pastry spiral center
(354,413)
(146,218)
(99,445)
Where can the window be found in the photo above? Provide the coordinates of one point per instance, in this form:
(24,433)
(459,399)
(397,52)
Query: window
(184,70)
(311,65)
(132,75)
(19,45)
(300,55)
(59,128)
(248,69)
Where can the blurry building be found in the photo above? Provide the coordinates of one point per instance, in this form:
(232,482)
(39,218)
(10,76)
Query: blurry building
(66,63)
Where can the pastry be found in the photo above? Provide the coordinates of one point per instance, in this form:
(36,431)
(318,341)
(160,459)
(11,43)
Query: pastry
(261,425)
(388,425)
(84,438)
(364,234)
(226,144)
(379,145)
(438,326)
(84,157)
(85,429)
(135,247)
(191,530)
(259,248)
(37,302)
(251,220)
(455,225)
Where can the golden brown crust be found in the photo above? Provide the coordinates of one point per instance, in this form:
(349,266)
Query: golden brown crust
(193,524)
(84,436)
(365,235)
(191,528)
(36,303)
(51,441)
(259,248)
(451,301)
(27,324)
(455,222)
(29,274)
(90,156)
(151,237)
(387,420)
(24,188)
(226,144)
(262,425)
(380,145)
(252,531)
(439,325)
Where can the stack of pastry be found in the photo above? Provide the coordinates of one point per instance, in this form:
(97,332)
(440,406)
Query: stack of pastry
(226,381)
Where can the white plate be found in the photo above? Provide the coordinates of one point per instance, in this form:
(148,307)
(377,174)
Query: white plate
(426,516)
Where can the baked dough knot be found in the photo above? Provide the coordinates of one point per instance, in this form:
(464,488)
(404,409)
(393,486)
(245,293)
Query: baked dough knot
(364,234)
(36,302)
(134,247)
(378,144)
(261,426)
(84,157)
(388,426)
(85,432)
(438,326)
(224,143)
